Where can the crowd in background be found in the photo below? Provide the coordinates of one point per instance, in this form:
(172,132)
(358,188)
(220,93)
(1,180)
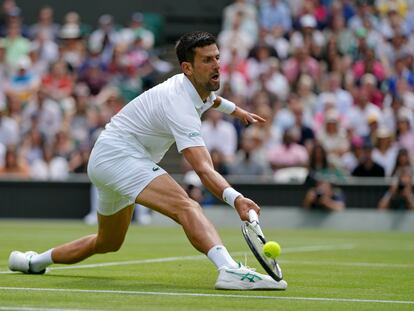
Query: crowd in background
(60,83)
(333,78)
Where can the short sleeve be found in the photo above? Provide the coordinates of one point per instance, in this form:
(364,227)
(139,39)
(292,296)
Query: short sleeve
(185,125)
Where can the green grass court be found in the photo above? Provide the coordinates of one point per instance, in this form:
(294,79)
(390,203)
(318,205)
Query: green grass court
(157,269)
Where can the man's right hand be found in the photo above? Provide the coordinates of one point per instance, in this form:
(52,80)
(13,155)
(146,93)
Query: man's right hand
(243,205)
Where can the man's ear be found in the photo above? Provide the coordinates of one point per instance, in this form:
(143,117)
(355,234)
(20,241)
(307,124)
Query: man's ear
(187,68)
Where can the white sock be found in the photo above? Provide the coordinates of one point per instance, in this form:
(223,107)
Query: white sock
(41,261)
(219,255)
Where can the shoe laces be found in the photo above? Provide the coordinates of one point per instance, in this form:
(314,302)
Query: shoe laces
(247,267)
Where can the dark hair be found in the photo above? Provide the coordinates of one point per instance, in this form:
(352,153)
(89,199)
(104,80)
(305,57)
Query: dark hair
(188,42)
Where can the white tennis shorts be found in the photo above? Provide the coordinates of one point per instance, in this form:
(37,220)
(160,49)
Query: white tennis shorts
(120,173)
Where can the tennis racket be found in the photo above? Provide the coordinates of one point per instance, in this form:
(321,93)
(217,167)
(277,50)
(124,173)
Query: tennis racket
(255,238)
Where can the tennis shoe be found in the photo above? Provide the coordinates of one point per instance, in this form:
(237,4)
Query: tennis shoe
(19,261)
(245,278)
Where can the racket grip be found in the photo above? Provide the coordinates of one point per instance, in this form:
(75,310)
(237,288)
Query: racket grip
(253,216)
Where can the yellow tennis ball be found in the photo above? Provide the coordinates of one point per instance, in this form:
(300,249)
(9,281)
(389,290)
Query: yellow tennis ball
(271,249)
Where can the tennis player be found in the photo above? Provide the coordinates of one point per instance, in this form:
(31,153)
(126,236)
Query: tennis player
(123,166)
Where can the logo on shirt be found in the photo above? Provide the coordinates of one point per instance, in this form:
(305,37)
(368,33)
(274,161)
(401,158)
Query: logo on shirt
(155,168)
(193,134)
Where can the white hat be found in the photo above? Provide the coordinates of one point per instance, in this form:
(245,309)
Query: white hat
(70,31)
(24,62)
(383,132)
(331,116)
(308,21)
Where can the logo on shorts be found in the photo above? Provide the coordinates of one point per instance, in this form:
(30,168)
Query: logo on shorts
(155,168)
(193,134)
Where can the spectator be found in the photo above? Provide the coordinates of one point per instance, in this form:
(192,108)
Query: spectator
(249,23)
(73,17)
(105,38)
(136,30)
(367,167)
(235,38)
(15,44)
(45,24)
(23,84)
(9,128)
(402,162)
(324,197)
(275,14)
(386,150)
(50,166)
(250,159)
(58,84)
(215,126)
(45,112)
(301,62)
(333,138)
(289,153)
(405,135)
(72,48)
(400,194)
(320,168)
(15,165)
(359,113)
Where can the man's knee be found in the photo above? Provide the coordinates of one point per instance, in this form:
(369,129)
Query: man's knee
(107,246)
(187,209)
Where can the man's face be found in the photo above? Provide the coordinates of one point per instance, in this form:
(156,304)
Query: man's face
(204,72)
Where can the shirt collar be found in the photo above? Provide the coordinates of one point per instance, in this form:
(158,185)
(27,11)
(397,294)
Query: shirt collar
(198,103)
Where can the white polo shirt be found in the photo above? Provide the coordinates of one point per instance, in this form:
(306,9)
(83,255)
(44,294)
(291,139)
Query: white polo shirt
(169,112)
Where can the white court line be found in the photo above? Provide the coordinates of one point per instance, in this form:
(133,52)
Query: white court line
(41,309)
(349,264)
(298,249)
(184,294)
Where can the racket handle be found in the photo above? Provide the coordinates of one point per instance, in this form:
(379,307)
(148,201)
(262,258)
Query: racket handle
(253,216)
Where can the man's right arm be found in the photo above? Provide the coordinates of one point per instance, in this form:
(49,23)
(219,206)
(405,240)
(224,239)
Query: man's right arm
(200,160)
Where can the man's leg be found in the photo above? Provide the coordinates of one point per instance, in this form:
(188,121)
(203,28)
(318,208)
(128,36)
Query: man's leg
(111,234)
(164,195)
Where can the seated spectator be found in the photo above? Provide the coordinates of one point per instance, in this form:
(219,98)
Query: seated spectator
(136,30)
(324,197)
(385,151)
(275,14)
(405,135)
(367,167)
(215,126)
(78,162)
(289,153)
(45,24)
(58,84)
(369,64)
(15,44)
(400,194)
(402,162)
(301,62)
(250,158)
(333,138)
(9,128)
(23,83)
(50,166)
(15,165)
(72,47)
(320,167)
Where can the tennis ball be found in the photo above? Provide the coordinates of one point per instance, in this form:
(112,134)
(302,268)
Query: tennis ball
(271,249)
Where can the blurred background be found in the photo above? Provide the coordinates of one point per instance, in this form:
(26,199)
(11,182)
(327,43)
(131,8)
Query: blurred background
(333,78)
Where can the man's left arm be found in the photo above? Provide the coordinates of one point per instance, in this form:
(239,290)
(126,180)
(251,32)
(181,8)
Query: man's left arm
(230,108)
